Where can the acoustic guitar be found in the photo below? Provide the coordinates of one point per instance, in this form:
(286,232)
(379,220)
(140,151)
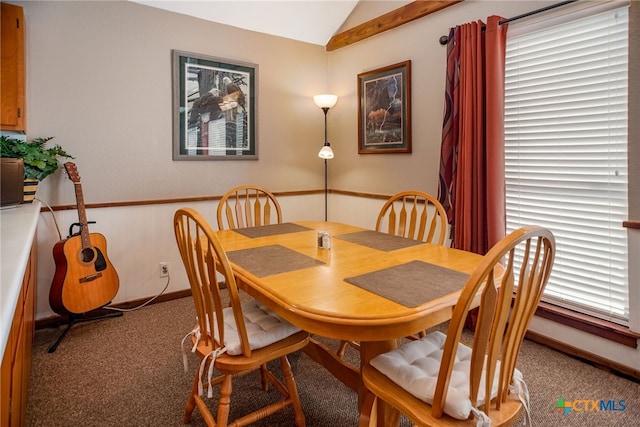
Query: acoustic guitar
(84,279)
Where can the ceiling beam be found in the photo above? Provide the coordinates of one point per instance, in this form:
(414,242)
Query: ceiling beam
(388,21)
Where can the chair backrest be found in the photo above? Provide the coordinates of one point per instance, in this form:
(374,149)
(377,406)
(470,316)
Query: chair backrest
(248,206)
(415,215)
(508,300)
(200,249)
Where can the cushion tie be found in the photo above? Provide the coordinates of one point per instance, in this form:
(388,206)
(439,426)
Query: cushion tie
(519,387)
(214,355)
(483,420)
(196,332)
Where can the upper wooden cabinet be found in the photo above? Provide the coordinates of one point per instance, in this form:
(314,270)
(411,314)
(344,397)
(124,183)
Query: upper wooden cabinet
(12,69)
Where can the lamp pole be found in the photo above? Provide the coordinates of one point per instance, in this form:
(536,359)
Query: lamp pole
(326,143)
(325,102)
(325,190)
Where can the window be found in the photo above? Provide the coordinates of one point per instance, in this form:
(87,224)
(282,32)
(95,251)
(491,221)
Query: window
(566,154)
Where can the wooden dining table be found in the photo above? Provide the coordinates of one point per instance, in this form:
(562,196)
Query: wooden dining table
(369,287)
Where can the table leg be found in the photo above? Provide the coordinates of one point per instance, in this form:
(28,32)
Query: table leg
(387,416)
(348,374)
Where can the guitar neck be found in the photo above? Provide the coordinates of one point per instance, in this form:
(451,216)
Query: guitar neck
(82,216)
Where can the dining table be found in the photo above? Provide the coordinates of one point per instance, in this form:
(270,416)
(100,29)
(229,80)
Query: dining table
(357,285)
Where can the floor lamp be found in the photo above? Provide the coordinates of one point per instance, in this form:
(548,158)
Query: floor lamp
(325,102)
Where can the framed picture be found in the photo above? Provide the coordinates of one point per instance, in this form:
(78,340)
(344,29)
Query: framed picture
(214,108)
(384,110)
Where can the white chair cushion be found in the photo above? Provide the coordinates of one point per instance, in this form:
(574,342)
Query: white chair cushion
(414,366)
(264,327)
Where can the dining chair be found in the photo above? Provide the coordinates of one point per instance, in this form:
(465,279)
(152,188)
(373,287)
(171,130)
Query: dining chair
(414,215)
(233,338)
(437,380)
(248,206)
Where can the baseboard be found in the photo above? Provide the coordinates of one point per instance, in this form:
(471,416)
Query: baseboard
(55,321)
(587,357)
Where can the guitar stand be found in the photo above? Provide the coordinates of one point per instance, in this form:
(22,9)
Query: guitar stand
(78,318)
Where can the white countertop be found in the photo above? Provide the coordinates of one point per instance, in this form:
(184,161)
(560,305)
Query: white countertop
(17,231)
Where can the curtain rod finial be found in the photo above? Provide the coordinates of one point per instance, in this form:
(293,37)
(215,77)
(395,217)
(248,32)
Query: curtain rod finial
(444,40)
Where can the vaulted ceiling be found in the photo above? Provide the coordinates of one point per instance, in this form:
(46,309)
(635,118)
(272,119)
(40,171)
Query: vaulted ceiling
(330,23)
(305,20)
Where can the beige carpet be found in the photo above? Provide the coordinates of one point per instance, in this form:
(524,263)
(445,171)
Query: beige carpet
(127,371)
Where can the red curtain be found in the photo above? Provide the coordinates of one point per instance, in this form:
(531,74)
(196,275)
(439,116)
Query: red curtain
(472,157)
(450,127)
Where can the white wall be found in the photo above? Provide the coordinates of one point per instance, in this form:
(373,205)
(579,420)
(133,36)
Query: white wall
(99,80)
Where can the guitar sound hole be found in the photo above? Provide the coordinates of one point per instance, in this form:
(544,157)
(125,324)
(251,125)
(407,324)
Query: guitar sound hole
(87,255)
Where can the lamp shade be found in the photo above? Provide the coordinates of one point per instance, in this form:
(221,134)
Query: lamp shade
(325,101)
(326,152)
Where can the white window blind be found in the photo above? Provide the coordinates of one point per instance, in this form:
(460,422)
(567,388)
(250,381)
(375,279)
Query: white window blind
(566,155)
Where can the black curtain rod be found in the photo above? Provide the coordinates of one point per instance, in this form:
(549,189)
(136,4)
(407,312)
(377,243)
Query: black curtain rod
(445,39)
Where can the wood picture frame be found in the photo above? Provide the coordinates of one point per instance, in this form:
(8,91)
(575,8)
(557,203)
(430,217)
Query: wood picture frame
(384,110)
(214,108)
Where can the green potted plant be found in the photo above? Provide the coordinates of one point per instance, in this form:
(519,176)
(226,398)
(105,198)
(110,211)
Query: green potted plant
(39,162)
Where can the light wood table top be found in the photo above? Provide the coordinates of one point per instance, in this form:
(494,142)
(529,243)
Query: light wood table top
(319,300)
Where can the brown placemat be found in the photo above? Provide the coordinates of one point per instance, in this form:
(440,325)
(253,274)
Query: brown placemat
(271,230)
(411,284)
(377,240)
(272,259)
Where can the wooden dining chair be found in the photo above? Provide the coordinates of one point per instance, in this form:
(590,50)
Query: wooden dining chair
(235,339)
(248,206)
(413,215)
(439,381)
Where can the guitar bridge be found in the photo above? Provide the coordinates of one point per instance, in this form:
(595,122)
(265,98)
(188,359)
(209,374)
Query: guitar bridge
(90,277)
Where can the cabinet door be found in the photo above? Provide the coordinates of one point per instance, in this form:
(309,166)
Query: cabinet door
(6,380)
(12,69)
(16,362)
(28,325)
(18,406)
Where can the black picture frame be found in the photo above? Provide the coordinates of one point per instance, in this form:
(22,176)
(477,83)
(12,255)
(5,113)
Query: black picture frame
(214,108)
(384,110)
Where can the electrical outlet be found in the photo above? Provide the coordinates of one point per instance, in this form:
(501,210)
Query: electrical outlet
(164,269)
